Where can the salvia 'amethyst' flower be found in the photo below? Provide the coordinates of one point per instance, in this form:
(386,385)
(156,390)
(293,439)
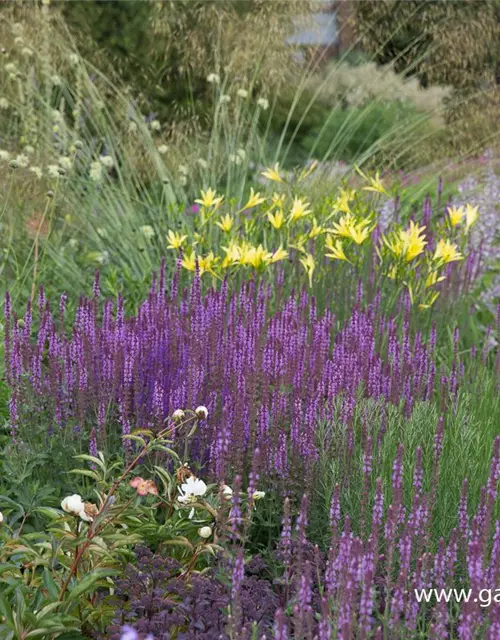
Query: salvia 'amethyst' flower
(266,377)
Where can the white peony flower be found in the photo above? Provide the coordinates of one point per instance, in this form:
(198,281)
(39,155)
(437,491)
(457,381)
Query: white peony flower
(191,490)
(205,532)
(201,412)
(73,504)
(258,495)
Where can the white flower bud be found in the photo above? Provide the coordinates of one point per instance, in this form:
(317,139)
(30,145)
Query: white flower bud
(258,495)
(205,532)
(201,412)
(178,415)
(73,504)
(227,492)
(1,517)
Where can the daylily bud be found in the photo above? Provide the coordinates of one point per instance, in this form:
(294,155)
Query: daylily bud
(201,412)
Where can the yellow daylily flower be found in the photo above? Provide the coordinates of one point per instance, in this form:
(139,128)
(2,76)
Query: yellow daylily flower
(432,300)
(359,233)
(279,254)
(277,219)
(189,261)
(343,226)
(447,252)
(273,173)
(175,240)
(205,264)
(336,250)
(278,200)
(316,229)
(233,255)
(455,215)
(299,210)
(413,241)
(256,257)
(471,215)
(305,173)
(208,263)
(433,278)
(209,199)
(342,201)
(226,223)
(254,199)
(309,265)
(375,183)
(394,244)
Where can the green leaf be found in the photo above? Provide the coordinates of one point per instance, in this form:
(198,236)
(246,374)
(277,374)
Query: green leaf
(84,456)
(87,472)
(49,512)
(50,584)
(88,583)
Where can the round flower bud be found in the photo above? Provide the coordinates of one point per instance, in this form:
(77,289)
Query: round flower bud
(14,164)
(258,495)
(201,412)
(205,532)
(78,144)
(50,193)
(178,415)
(227,492)
(73,504)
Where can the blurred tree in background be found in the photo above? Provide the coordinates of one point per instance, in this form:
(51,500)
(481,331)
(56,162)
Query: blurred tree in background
(443,42)
(447,42)
(165,50)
